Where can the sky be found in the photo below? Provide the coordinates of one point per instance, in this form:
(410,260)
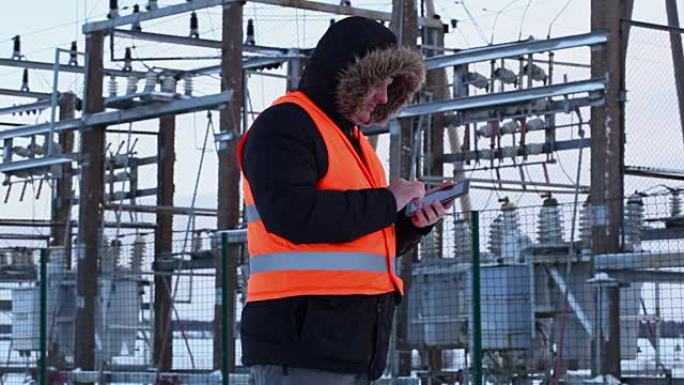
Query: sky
(654,136)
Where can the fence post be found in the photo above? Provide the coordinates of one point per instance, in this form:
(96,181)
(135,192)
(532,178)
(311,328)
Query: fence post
(225,324)
(43,316)
(475,284)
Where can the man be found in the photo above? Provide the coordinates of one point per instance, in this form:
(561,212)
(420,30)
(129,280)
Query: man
(323,225)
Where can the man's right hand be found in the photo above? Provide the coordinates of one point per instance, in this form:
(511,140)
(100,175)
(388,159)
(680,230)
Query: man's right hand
(405,191)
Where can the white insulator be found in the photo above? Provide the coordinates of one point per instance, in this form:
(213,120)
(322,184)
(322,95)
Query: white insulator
(187,84)
(169,84)
(139,250)
(24,152)
(585,226)
(196,241)
(477,80)
(487,130)
(550,225)
(111,255)
(535,72)
(505,75)
(534,148)
(510,127)
(462,239)
(150,81)
(510,151)
(513,241)
(131,84)
(675,204)
(112,87)
(536,124)
(634,218)
(428,245)
(36,149)
(495,235)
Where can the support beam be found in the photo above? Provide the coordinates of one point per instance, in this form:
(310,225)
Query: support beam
(35,65)
(677,56)
(607,137)
(229,180)
(163,244)
(90,212)
(62,204)
(404,24)
(180,106)
(347,11)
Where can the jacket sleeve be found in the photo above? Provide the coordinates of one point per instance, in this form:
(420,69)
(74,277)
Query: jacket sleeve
(282,161)
(408,235)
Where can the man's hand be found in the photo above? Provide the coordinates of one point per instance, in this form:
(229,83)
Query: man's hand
(429,214)
(405,191)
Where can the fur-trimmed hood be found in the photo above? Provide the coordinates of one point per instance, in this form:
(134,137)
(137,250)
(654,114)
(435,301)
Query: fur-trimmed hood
(353,55)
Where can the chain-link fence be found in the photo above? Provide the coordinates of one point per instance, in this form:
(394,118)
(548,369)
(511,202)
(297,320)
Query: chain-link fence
(514,295)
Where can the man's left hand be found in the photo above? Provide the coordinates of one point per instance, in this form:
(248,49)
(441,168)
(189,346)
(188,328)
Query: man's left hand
(428,215)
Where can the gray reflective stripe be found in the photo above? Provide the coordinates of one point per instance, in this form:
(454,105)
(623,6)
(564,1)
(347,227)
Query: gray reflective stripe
(252,213)
(335,261)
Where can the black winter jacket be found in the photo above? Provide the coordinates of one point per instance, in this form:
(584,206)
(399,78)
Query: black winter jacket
(283,159)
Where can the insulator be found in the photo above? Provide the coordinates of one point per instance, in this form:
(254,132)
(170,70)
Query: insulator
(495,235)
(24,152)
(113,9)
(150,81)
(131,84)
(194,26)
(505,75)
(534,148)
(487,130)
(535,72)
(152,5)
(332,21)
(510,151)
(510,127)
(111,255)
(454,23)
(16,48)
(135,26)
(128,60)
(513,241)
(675,204)
(550,225)
(634,218)
(485,153)
(196,241)
(25,81)
(22,257)
(585,225)
(36,149)
(250,33)
(139,249)
(112,87)
(462,239)
(345,3)
(476,80)
(187,84)
(536,124)
(428,245)
(169,84)
(73,54)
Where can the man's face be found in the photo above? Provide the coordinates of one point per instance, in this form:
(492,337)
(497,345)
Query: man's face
(377,95)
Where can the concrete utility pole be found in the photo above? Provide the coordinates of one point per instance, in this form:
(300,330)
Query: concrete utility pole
(229,173)
(607,153)
(677,55)
(61,205)
(404,24)
(163,243)
(90,210)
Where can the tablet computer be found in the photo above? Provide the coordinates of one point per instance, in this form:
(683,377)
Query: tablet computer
(444,195)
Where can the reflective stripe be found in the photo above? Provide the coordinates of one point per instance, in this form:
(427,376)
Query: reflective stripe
(251,213)
(287,261)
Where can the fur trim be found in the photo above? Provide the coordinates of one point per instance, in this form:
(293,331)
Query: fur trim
(403,65)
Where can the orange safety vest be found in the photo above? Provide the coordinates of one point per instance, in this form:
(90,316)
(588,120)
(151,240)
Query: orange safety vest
(280,268)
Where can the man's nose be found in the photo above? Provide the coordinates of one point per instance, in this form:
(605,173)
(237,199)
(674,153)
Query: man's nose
(381,97)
